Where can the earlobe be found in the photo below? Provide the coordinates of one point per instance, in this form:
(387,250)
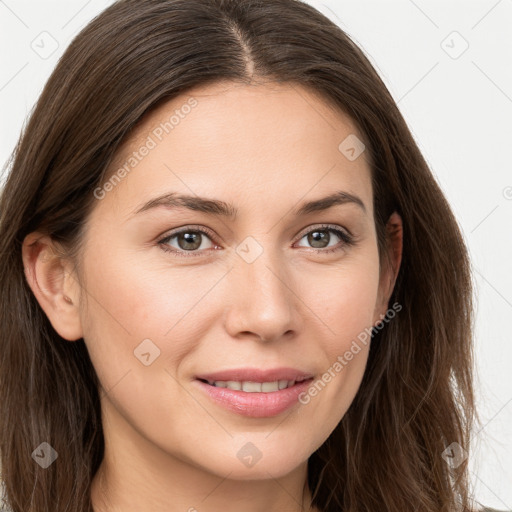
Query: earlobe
(49,276)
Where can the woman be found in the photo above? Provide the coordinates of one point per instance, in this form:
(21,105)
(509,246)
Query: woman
(229,279)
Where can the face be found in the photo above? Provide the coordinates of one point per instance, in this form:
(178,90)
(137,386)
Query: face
(176,290)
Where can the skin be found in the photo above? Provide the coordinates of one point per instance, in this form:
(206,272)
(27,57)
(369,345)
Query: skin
(265,149)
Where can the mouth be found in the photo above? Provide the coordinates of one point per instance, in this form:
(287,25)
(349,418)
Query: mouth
(256,396)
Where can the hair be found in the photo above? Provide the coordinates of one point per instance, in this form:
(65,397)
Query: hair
(416,396)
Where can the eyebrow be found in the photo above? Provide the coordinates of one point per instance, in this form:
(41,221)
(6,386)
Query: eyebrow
(223,209)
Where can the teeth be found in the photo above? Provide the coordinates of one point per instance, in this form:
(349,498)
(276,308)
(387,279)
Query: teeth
(283,384)
(269,386)
(231,384)
(253,387)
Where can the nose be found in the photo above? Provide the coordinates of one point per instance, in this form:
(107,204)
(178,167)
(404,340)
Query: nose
(262,299)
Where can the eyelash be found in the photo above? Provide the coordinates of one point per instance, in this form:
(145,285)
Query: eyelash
(347,240)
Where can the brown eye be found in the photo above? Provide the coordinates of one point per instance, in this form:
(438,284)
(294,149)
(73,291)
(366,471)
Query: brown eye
(320,237)
(190,242)
(187,241)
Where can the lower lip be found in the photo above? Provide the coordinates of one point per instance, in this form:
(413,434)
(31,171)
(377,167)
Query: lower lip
(256,405)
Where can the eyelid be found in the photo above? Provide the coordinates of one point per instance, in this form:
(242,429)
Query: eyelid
(188,227)
(321,226)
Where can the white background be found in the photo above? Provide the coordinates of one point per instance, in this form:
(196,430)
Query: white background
(459,110)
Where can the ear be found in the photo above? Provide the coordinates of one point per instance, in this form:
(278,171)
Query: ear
(52,280)
(391,265)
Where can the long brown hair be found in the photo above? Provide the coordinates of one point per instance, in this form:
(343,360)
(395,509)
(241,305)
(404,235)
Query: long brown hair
(416,397)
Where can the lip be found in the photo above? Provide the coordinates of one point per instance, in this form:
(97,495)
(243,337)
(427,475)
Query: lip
(255,405)
(256,375)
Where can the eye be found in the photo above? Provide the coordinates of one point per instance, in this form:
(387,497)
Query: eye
(190,239)
(319,238)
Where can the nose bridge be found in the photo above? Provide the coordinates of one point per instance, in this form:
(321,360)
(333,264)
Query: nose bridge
(263,300)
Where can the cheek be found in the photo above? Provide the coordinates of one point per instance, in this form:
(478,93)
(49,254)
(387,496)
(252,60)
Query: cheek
(132,299)
(345,307)
(344,299)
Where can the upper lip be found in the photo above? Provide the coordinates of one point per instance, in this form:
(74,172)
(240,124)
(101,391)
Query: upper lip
(256,375)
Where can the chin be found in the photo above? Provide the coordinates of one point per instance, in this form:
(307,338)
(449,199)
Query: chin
(253,460)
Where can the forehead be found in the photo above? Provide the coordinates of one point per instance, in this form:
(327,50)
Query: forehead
(277,141)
